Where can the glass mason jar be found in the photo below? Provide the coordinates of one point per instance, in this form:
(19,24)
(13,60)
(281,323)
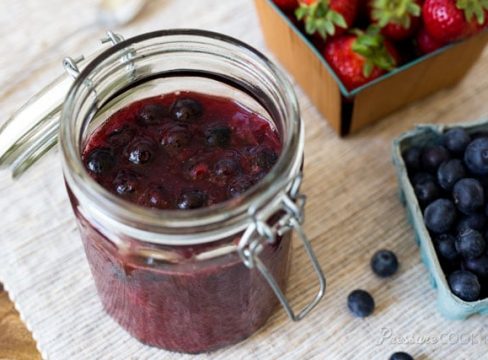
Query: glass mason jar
(188,281)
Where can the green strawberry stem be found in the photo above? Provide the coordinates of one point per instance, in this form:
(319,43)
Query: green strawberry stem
(371,45)
(473,8)
(320,18)
(395,11)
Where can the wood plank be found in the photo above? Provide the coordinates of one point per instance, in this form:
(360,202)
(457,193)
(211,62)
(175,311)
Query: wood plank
(16,341)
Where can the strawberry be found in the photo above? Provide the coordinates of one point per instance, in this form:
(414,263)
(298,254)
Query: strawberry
(360,57)
(399,20)
(450,20)
(327,17)
(426,43)
(286,5)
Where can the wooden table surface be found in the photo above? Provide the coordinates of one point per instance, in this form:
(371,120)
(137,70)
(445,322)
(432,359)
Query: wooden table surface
(16,342)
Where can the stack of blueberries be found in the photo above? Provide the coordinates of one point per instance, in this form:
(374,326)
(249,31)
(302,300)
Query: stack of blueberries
(450,180)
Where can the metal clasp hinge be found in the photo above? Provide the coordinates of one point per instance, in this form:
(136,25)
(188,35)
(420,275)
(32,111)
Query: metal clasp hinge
(259,234)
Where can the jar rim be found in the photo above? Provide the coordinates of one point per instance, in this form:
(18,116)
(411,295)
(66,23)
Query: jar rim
(79,179)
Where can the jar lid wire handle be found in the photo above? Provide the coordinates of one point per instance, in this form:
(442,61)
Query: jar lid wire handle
(259,233)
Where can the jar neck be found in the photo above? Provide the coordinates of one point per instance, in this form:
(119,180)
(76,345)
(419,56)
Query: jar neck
(158,54)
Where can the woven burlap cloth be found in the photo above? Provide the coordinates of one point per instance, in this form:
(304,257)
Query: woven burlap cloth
(352,211)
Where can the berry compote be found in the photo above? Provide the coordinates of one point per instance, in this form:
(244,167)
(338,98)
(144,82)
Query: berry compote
(182,151)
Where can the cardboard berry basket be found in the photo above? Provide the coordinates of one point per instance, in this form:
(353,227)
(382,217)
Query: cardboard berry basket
(349,111)
(449,305)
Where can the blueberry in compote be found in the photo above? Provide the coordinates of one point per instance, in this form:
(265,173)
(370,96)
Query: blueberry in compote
(239,186)
(125,182)
(152,114)
(186,109)
(218,135)
(226,167)
(192,199)
(176,138)
(100,160)
(141,151)
(265,158)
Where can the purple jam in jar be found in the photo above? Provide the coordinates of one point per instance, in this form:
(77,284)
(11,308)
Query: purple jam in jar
(182,151)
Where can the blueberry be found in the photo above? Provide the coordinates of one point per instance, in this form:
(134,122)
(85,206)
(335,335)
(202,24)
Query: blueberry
(239,186)
(421,177)
(100,161)
(218,135)
(360,303)
(468,195)
(121,137)
(155,196)
(176,138)
(426,191)
(478,266)
(401,356)
(449,173)
(446,247)
(140,151)
(475,221)
(476,156)
(152,114)
(226,167)
(465,285)
(456,140)
(384,263)
(126,182)
(192,199)
(440,215)
(265,158)
(411,156)
(433,156)
(470,244)
(186,109)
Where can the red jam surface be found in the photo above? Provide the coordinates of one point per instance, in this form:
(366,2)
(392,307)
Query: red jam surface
(182,151)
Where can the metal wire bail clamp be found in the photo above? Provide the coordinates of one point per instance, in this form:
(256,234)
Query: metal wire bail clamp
(259,234)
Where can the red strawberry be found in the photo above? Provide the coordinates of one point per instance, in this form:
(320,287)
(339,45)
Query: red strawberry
(286,5)
(361,57)
(451,20)
(426,43)
(327,17)
(399,20)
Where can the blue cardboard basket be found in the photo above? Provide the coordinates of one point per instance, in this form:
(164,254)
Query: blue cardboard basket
(449,304)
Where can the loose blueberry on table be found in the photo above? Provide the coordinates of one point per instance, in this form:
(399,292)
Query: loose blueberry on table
(401,356)
(450,181)
(360,303)
(180,152)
